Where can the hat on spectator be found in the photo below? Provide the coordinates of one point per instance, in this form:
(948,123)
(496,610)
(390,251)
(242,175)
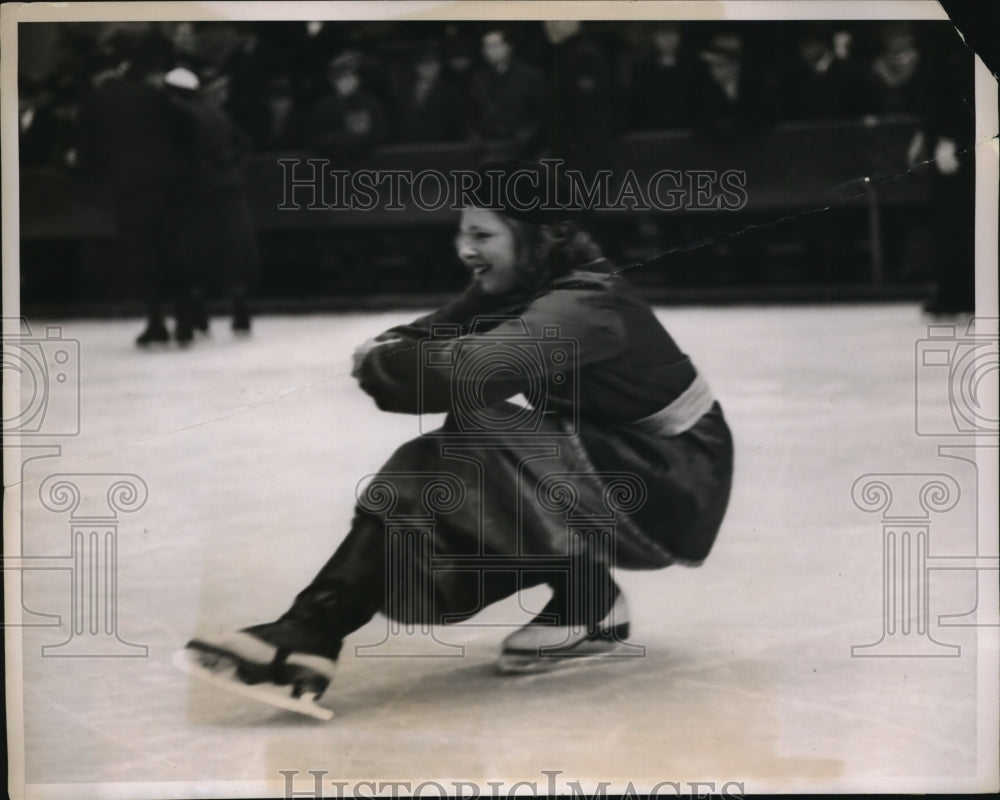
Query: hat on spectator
(182,78)
(722,47)
(347,62)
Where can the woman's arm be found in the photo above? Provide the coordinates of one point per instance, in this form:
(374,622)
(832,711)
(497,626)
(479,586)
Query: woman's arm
(369,360)
(514,357)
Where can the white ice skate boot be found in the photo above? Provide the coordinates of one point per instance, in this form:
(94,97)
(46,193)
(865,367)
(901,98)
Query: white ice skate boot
(541,646)
(246,663)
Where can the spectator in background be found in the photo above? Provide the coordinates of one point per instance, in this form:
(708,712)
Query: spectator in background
(426,104)
(276,121)
(216,243)
(186,46)
(47,123)
(818,84)
(459,69)
(946,139)
(247,73)
(662,84)
(459,58)
(132,138)
(269,96)
(580,102)
(898,79)
(733,97)
(348,121)
(507,102)
(308,62)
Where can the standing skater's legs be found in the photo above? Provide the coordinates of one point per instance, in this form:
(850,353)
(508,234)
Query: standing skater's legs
(586,617)
(241,310)
(138,218)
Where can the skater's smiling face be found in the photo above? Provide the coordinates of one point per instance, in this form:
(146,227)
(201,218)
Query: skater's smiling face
(487,245)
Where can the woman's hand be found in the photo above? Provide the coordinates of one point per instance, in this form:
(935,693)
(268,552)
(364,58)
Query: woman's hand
(362,351)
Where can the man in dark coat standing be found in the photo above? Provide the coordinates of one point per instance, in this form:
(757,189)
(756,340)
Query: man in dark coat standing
(817,85)
(217,246)
(348,121)
(426,105)
(131,138)
(579,111)
(663,85)
(507,100)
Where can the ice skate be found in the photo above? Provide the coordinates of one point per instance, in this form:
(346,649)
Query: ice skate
(247,664)
(155,333)
(542,646)
(241,316)
(199,314)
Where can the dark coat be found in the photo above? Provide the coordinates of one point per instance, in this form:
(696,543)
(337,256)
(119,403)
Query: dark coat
(342,127)
(660,96)
(433,118)
(805,94)
(216,241)
(591,358)
(579,108)
(509,105)
(130,135)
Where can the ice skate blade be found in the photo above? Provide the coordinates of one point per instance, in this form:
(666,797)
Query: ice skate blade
(188,661)
(533,664)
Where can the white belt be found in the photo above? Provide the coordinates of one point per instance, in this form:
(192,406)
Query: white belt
(682,414)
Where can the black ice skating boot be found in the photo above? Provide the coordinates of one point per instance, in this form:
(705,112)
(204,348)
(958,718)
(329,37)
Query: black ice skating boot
(241,314)
(184,322)
(257,662)
(183,332)
(568,631)
(288,663)
(199,313)
(154,334)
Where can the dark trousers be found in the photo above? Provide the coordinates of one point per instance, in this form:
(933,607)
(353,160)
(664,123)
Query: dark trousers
(449,526)
(146,220)
(954,239)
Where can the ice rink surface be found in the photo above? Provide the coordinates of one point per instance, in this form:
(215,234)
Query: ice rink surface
(251,451)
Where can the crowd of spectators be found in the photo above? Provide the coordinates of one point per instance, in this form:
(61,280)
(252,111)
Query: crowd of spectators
(556,88)
(90,100)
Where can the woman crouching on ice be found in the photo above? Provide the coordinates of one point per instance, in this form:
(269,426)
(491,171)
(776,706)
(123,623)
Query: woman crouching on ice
(618,420)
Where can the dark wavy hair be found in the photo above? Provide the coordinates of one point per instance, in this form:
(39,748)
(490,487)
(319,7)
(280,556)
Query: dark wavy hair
(547,252)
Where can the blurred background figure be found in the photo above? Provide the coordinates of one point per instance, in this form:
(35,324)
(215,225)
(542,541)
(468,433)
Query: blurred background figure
(459,58)
(703,94)
(507,102)
(733,97)
(427,102)
(47,116)
(662,83)
(277,120)
(216,244)
(185,46)
(347,121)
(946,139)
(817,83)
(898,78)
(580,102)
(265,99)
(131,138)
